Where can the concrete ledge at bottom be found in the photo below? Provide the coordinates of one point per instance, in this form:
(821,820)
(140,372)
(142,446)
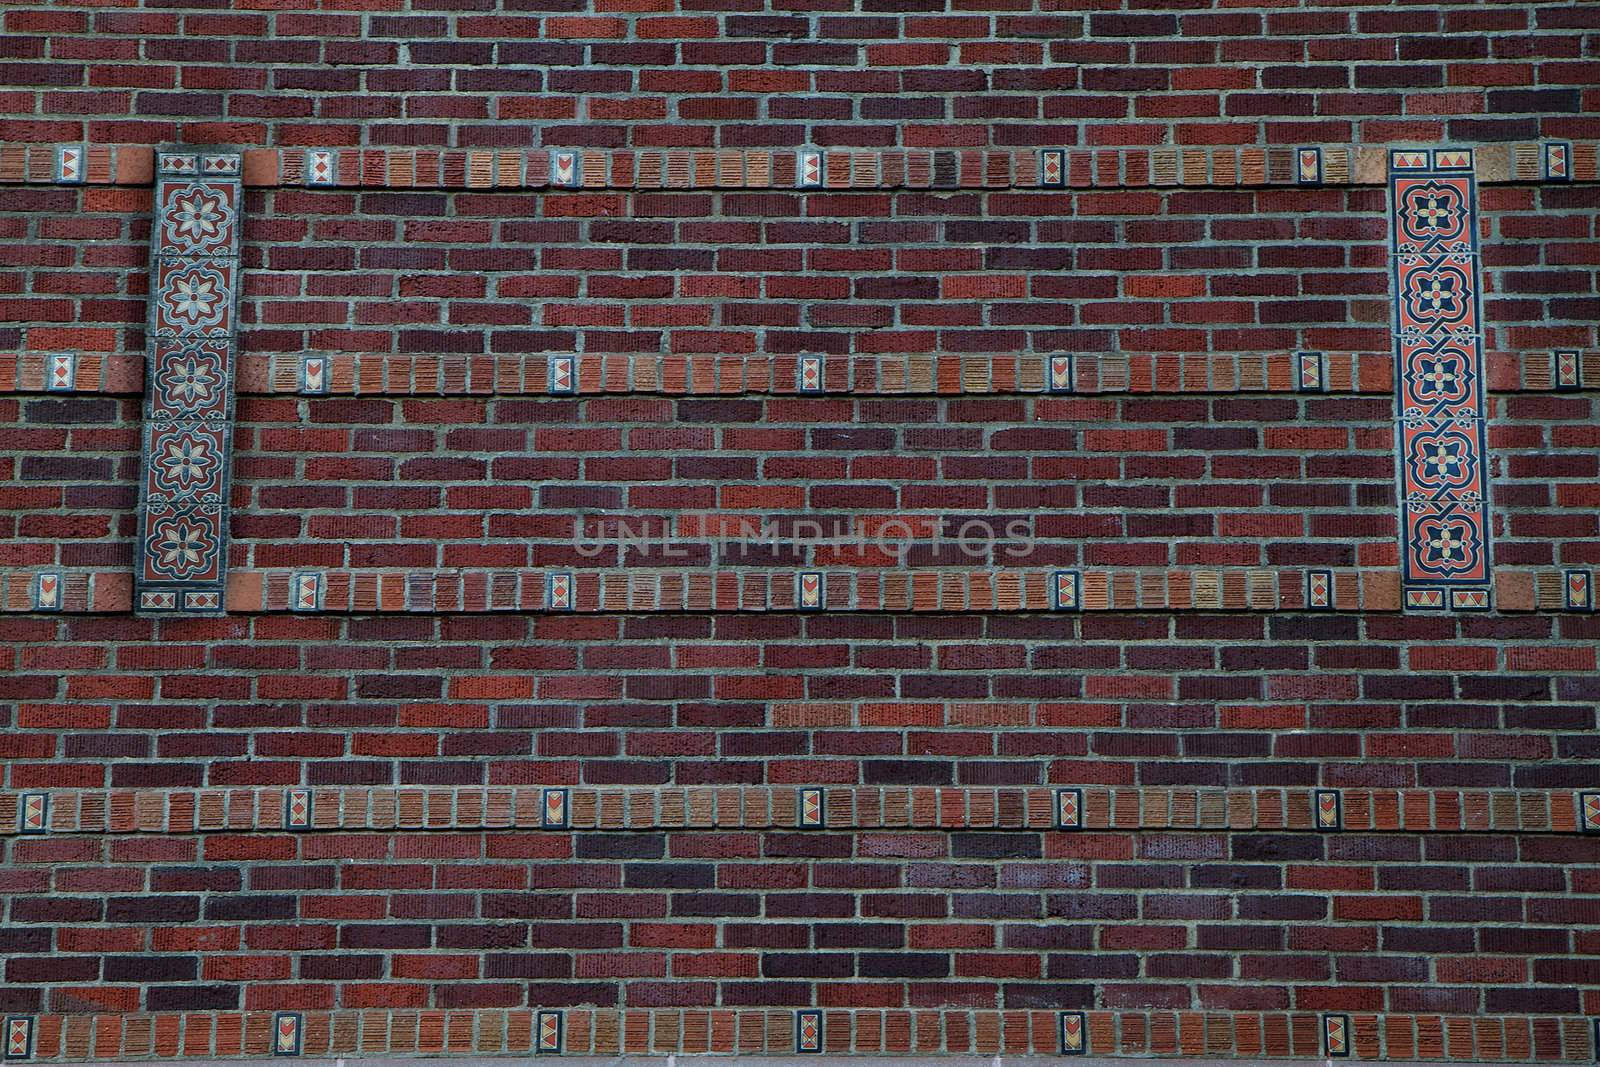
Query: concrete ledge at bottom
(932,1060)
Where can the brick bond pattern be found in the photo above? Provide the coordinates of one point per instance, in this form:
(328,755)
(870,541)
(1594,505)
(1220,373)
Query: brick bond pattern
(1185,780)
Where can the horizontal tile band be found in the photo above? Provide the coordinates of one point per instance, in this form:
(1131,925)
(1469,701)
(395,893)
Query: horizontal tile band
(379,374)
(568,808)
(624,590)
(838,1031)
(828,169)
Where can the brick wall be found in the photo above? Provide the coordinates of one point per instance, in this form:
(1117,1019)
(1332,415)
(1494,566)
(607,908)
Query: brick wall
(1111,726)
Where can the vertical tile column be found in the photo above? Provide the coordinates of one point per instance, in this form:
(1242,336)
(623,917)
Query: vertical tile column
(181,555)
(1440,432)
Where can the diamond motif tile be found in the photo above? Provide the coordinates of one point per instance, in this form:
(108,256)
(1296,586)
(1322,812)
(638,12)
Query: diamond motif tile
(297,809)
(322,167)
(61,373)
(1319,590)
(1069,808)
(1568,370)
(1052,167)
(559,591)
(19,1037)
(810,374)
(808,1030)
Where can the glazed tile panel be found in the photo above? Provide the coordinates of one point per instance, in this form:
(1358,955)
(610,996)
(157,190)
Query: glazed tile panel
(188,406)
(1441,435)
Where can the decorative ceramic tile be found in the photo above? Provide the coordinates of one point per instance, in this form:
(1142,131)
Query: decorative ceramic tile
(61,373)
(1557,161)
(193,297)
(555,808)
(305,591)
(322,167)
(189,379)
(1589,808)
(1308,372)
(1052,167)
(1066,591)
(186,461)
(813,810)
(809,374)
(199,218)
(314,377)
(33,813)
(1074,1033)
(187,435)
(202,600)
(69,164)
(1319,590)
(1424,599)
(47,591)
(1578,590)
(549,1032)
(1326,809)
(286,1033)
(563,378)
(1060,374)
(809,591)
(808,1030)
(1336,1035)
(297,809)
(1069,808)
(1308,166)
(808,172)
(566,168)
(1568,370)
(1442,435)
(19,1037)
(558,591)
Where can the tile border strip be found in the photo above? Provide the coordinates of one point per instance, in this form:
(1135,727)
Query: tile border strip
(571,808)
(830,169)
(1441,428)
(624,590)
(381,374)
(777,1031)
(185,473)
